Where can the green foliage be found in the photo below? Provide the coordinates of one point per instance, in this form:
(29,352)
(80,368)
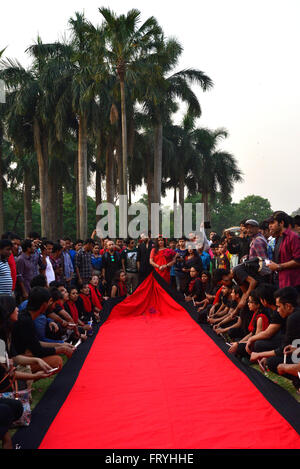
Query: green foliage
(227,213)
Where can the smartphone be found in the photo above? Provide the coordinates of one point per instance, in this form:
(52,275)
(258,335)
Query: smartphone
(52,370)
(77,343)
(261,366)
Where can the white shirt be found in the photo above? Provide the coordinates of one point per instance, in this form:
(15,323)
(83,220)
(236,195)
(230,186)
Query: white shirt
(50,275)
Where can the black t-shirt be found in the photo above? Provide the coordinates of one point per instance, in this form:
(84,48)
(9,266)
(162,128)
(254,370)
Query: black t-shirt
(292,331)
(241,273)
(24,337)
(111,263)
(130,258)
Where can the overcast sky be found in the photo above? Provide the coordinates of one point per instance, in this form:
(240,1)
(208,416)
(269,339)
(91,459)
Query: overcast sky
(250,49)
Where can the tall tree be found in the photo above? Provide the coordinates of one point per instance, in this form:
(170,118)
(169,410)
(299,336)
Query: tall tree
(127,47)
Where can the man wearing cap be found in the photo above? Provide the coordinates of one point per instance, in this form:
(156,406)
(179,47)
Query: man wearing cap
(258,243)
(286,258)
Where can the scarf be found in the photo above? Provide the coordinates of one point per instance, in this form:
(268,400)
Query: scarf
(122,288)
(73,310)
(95,297)
(253,322)
(86,303)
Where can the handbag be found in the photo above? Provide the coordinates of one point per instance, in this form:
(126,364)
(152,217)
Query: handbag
(23,396)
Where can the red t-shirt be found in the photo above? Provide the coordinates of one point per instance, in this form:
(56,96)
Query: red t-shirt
(13,270)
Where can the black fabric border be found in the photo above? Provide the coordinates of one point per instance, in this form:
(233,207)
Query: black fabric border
(49,406)
(46,410)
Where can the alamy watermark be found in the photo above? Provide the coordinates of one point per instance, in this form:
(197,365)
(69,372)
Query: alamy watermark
(133,220)
(2,92)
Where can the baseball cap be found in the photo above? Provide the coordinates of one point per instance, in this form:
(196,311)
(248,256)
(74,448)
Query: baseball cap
(251,222)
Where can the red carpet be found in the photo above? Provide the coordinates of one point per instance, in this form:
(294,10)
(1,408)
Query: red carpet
(153,379)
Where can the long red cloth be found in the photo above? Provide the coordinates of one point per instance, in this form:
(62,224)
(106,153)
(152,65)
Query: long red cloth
(153,379)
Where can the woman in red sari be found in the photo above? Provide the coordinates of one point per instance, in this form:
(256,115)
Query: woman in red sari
(162,258)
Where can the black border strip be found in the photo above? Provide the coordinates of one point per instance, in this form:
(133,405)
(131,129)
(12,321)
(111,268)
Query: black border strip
(46,410)
(278,397)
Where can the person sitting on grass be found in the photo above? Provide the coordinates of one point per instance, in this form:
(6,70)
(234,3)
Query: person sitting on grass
(8,317)
(71,308)
(221,277)
(223,308)
(119,285)
(194,288)
(10,411)
(57,312)
(85,304)
(287,307)
(206,284)
(270,338)
(95,295)
(24,337)
(259,322)
(291,370)
(235,326)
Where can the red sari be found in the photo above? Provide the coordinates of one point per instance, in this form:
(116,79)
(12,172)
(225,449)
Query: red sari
(163,257)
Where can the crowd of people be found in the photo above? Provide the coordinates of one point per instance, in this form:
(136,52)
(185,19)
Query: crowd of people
(244,283)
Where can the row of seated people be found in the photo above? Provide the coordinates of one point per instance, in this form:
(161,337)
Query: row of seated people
(259,322)
(51,323)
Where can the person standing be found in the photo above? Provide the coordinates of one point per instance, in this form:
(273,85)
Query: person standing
(182,252)
(129,264)
(286,256)
(25,268)
(143,257)
(162,258)
(67,262)
(6,281)
(111,263)
(83,262)
(258,243)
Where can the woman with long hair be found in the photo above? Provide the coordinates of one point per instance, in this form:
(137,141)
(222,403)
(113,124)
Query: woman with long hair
(119,286)
(162,258)
(8,317)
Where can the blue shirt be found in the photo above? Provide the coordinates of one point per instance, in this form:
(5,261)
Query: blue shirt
(205,257)
(68,265)
(97,262)
(40,324)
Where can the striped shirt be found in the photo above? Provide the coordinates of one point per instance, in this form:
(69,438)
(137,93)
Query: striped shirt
(6,282)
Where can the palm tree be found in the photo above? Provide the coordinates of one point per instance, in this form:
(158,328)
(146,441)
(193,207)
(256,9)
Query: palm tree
(128,46)
(161,93)
(216,170)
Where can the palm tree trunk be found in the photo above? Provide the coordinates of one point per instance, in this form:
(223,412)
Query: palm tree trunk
(120,162)
(181,198)
(27,204)
(41,149)
(82,176)
(98,174)
(124,134)
(109,157)
(158,141)
(175,196)
(149,188)
(52,192)
(205,199)
(60,197)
